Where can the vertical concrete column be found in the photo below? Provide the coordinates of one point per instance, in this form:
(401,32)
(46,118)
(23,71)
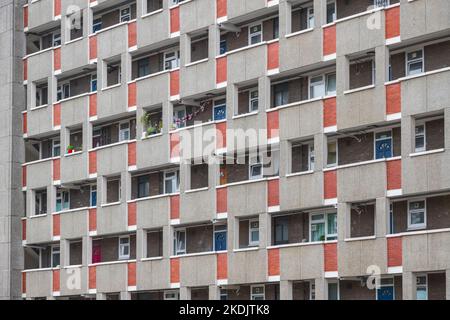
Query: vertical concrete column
(167,241)
(100,296)
(124,64)
(52,89)
(264,230)
(321,288)
(125,187)
(87,250)
(101,190)
(233,232)
(232,101)
(167,116)
(30,203)
(343,220)
(286,161)
(409,286)
(185,176)
(87,20)
(447,284)
(125,295)
(447,126)
(213,41)
(381,58)
(185,293)
(87,135)
(185,49)
(319,13)
(286,292)
(64,253)
(51,199)
(342,74)
(285,18)
(264,99)
(407,126)
(382,217)
(214,292)
(141,8)
(319,144)
(141,244)
(213,172)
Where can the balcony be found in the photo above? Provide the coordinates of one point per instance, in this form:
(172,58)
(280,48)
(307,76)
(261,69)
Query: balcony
(153,274)
(39,229)
(236,9)
(40,65)
(196,15)
(40,120)
(41,13)
(75,54)
(245,267)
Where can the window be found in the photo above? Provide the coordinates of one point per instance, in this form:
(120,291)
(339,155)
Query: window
(254,101)
(281,230)
(143,188)
(179,115)
(223,46)
(143,67)
(75,141)
(323,226)
(257,293)
(179,242)
(383,145)
(331,11)
(255,168)
(114,74)
(255,34)
(421,287)
(56,39)
(414,62)
(419,137)
(220,110)
(55,256)
(253,232)
(93,196)
(332,153)
(124,248)
(171,60)
(331,84)
(333,290)
(56,147)
(171,295)
(153,5)
(97,25)
(316,87)
(124,131)
(93,83)
(171,181)
(63,91)
(41,95)
(220,237)
(113,190)
(310,18)
(62,200)
(417,214)
(40,202)
(223,294)
(311,157)
(75,19)
(281,94)
(312,290)
(380,3)
(125,14)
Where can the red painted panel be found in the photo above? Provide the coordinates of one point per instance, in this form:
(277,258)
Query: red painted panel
(221,69)
(57,59)
(132,214)
(392,22)
(221,8)
(273,257)
(92,277)
(24,282)
(273,124)
(92,162)
(330,257)
(221,200)
(175,207)
(132,274)
(222,266)
(174,145)
(56,281)
(175,19)
(57,8)
(25,69)
(175,270)
(221,135)
(394,174)
(393,98)
(24,229)
(24,176)
(394,251)
(93,47)
(329,112)
(56,225)
(175,83)
(96,252)
(132,34)
(131,94)
(329,40)
(93,105)
(56,169)
(273,56)
(273,192)
(24,122)
(25,16)
(56,114)
(330,184)
(132,154)
(92,219)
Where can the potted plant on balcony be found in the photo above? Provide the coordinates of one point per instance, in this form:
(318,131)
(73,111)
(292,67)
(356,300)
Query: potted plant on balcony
(70,148)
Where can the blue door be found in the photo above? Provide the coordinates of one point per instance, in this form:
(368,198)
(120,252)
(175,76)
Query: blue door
(220,112)
(383,145)
(220,240)
(385,293)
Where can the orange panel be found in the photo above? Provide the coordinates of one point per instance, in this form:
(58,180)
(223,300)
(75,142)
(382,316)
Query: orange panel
(175,83)
(93,105)
(57,59)
(57,8)
(56,225)
(175,270)
(221,8)
(273,260)
(221,69)
(221,200)
(273,124)
(329,40)
(329,112)
(92,277)
(175,19)
(24,282)
(92,219)
(25,69)
(174,145)
(132,274)
(25,16)
(24,229)
(394,174)
(273,192)
(92,47)
(132,34)
(132,153)
(24,176)
(393,98)
(56,281)
(330,184)
(221,135)
(24,122)
(175,207)
(132,94)
(132,213)
(56,114)
(56,169)
(394,251)
(392,22)
(92,162)
(273,56)
(330,257)
(222,266)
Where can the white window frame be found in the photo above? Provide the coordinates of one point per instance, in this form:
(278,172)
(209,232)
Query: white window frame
(219,231)
(335,11)
(124,17)
(176,250)
(56,37)
(252,35)
(174,178)
(310,19)
(122,246)
(55,249)
(422,285)
(64,89)
(56,143)
(324,220)
(38,194)
(337,288)
(311,157)
(377,4)
(175,116)
(408,63)
(420,124)
(39,91)
(176,58)
(312,290)
(61,197)
(377,139)
(252,100)
(123,131)
(321,82)
(384,283)
(216,104)
(331,165)
(167,295)
(251,230)
(254,163)
(421,225)
(262,295)
(330,93)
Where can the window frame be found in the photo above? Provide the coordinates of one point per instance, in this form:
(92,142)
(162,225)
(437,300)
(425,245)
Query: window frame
(252,164)
(56,143)
(420,225)
(254,296)
(61,197)
(334,16)
(422,285)
(375,140)
(55,249)
(335,164)
(123,131)
(121,255)
(408,63)
(176,58)
(424,134)
(327,92)
(322,82)
(93,189)
(255,34)
(176,249)
(38,194)
(310,18)
(253,99)
(324,220)
(252,243)
(175,178)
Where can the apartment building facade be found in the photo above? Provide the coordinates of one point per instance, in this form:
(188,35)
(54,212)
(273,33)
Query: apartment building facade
(345,186)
